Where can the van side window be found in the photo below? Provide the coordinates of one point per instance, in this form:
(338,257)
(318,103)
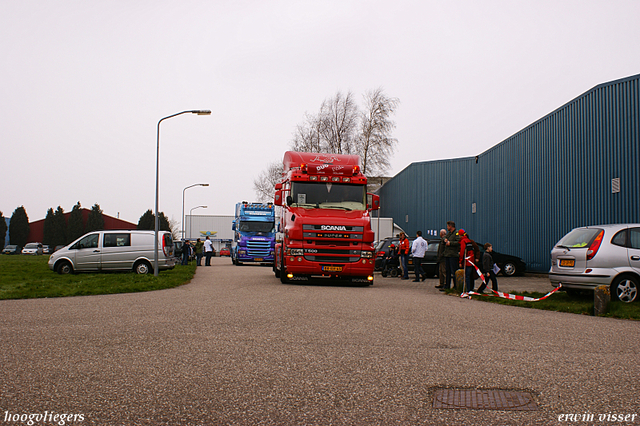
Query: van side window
(634,234)
(116,240)
(90,241)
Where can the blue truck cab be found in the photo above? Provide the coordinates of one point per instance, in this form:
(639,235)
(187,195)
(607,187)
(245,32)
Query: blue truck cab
(255,234)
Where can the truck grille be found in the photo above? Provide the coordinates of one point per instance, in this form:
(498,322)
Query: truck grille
(258,248)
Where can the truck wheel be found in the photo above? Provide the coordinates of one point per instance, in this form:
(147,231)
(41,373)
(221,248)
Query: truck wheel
(283,273)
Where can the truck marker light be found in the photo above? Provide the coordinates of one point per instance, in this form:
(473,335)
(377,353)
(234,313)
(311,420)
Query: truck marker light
(292,259)
(313,177)
(346,179)
(324,178)
(335,179)
(370,277)
(289,276)
(299,259)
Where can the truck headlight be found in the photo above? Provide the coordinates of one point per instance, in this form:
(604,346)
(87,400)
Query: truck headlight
(243,252)
(295,252)
(366,254)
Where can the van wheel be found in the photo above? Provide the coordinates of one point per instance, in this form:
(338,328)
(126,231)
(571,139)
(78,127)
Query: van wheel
(142,267)
(64,268)
(625,289)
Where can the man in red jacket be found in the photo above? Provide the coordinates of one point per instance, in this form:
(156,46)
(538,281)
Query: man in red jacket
(404,255)
(469,258)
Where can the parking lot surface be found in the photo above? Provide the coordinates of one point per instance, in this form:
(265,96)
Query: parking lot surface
(235,346)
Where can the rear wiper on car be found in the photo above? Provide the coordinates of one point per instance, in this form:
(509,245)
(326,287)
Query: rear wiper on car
(565,247)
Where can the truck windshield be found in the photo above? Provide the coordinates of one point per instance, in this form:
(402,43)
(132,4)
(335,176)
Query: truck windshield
(253,226)
(327,195)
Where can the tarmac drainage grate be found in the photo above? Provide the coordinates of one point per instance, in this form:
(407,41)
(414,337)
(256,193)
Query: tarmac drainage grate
(486,399)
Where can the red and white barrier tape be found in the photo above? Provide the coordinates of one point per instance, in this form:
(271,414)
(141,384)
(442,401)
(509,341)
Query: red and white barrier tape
(505,295)
(516,296)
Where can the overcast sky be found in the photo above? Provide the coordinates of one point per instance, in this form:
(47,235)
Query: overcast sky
(84,83)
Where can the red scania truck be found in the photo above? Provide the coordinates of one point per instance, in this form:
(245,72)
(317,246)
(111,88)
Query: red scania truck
(325,227)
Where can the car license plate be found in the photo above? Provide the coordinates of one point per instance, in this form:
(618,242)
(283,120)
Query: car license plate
(570,263)
(258,259)
(332,268)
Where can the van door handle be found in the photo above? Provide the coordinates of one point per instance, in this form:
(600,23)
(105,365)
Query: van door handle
(96,251)
(635,257)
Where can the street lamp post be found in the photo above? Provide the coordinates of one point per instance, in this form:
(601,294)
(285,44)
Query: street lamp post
(191,217)
(157,224)
(183,191)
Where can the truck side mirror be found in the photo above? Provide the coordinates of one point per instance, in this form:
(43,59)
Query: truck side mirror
(289,200)
(373,201)
(278,198)
(233,226)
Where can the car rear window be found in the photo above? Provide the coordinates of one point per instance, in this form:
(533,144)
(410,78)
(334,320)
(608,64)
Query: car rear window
(579,238)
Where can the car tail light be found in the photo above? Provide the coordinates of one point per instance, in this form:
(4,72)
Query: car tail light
(595,245)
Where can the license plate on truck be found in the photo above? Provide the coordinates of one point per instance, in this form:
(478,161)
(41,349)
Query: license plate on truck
(332,268)
(258,259)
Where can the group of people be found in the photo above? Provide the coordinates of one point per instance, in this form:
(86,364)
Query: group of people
(200,248)
(455,251)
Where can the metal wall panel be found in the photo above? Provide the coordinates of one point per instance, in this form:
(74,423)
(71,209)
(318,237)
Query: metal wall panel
(536,185)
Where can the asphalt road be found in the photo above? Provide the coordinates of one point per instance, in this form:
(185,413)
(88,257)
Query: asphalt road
(235,346)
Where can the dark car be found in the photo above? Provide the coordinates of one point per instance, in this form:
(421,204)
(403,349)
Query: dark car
(12,249)
(509,265)
(429,264)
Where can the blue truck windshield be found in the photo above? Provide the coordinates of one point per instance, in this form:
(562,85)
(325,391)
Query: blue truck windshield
(327,195)
(261,227)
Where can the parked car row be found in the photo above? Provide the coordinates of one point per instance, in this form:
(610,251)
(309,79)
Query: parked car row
(31,248)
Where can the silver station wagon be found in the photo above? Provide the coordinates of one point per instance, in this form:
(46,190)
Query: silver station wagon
(592,256)
(114,251)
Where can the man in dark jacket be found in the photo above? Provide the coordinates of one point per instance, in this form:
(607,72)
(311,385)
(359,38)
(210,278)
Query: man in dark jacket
(451,253)
(442,269)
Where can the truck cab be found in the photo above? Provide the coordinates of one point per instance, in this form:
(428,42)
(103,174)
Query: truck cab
(325,222)
(254,233)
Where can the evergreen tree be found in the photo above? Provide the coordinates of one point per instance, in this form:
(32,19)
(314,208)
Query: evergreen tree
(75,228)
(148,221)
(19,227)
(59,228)
(95,222)
(48,229)
(3,230)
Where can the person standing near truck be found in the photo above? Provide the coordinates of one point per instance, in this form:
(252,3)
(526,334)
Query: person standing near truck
(418,249)
(451,253)
(208,252)
(198,248)
(404,255)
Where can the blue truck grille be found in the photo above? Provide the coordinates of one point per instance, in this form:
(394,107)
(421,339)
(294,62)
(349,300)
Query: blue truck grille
(258,248)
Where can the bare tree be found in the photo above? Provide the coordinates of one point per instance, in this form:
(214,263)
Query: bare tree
(338,123)
(374,142)
(264,184)
(341,128)
(307,135)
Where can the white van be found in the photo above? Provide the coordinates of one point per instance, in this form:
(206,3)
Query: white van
(114,251)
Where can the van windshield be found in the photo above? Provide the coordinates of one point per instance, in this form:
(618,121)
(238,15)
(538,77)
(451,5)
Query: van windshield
(579,238)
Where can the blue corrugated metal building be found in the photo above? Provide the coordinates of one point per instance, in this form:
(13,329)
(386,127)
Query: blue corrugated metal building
(577,166)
